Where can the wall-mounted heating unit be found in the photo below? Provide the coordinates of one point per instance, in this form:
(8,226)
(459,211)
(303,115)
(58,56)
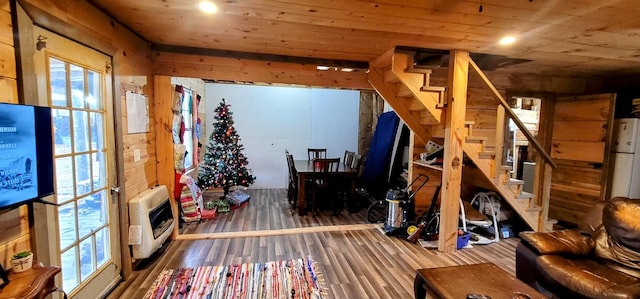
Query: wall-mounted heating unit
(150,212)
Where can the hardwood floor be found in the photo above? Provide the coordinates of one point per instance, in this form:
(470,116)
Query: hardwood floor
(356,260)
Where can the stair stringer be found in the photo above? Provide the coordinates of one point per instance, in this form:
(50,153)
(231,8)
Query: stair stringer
(389,87)
(486,165)
(415,82)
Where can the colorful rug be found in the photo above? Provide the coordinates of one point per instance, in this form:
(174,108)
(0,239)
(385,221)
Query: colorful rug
(295,279)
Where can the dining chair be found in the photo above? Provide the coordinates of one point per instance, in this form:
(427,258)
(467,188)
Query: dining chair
(356,162)
(348,157)
(316,153)
(325,172)
(346,183)
(292,188)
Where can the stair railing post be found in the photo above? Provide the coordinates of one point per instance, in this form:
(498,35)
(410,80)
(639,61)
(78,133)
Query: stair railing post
(499,143)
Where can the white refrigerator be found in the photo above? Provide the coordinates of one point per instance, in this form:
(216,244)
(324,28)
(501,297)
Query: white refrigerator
(626,158)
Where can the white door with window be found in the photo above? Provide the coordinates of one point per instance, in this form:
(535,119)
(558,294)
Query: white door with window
(75,81)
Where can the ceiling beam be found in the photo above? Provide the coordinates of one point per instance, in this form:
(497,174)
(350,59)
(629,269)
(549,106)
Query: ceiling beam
(358,65)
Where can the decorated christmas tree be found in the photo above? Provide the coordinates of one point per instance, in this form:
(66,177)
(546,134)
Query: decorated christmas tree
(224,164)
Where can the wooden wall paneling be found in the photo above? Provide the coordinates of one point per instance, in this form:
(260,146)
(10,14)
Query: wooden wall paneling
(482,118)
(9,87)
(453,149)
(578,150)
(587,130)
(164,139)
(228,69)
(14,222)
(7,61)
(580,178)
(6,36)
(8,249)
(577,109)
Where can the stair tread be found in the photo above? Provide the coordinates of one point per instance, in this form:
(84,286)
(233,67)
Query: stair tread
(525,195)
(433,88)
(486,154)
(534,209)
(418,70)
(513,182)
(476,138)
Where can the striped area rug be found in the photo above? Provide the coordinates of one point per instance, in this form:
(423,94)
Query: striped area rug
(295,279)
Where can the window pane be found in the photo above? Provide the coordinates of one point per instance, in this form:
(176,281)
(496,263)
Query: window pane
(77,86)
(93,79)
(69,274)
(82,175)
(87,258)
(103,249)
(97,131)
(99,170)
(58,78)
(62,134)
(81,131)
(64,179)
(66,220)
(90,216)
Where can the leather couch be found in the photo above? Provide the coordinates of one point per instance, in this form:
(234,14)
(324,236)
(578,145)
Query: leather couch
(600,259)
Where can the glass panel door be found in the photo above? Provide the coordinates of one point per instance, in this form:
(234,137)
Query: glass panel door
(87,232)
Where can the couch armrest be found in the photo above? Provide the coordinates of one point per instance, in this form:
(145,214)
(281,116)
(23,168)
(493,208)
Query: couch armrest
(560,242)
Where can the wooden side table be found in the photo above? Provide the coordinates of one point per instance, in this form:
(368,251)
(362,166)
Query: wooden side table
(458,281)
(36,283)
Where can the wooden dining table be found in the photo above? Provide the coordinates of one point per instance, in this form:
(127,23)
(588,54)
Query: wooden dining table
(305,172)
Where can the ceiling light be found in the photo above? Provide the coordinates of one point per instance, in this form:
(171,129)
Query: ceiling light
(208,7)
(507,40)
(322,68)
(344,69)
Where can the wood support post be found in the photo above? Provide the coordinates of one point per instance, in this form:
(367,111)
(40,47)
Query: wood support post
(453,149)
(542,179)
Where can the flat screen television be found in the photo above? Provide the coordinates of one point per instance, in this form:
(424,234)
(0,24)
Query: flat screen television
(26,154)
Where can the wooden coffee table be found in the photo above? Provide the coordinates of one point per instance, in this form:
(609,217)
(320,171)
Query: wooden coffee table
(458,281)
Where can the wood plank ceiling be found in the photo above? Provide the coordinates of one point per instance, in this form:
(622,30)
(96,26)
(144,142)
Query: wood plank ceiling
(570,37)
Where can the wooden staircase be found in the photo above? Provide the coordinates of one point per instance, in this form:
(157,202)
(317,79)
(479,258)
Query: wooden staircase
(421,106)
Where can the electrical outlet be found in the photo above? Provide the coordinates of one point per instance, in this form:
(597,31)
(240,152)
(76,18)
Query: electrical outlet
(136,155)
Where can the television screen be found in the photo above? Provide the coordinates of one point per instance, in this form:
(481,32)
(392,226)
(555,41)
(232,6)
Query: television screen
(26,154)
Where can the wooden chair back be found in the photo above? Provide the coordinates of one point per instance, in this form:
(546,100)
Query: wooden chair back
(316,153)
(325,172)
(356,162)
(348,157)
(292,188)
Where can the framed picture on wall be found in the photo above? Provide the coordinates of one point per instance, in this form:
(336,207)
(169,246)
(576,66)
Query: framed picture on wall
(4,280)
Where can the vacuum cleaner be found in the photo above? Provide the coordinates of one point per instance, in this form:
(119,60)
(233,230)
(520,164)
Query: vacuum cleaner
(400,208)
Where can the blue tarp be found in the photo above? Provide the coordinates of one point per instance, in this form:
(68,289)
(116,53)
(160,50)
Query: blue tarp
(376,168)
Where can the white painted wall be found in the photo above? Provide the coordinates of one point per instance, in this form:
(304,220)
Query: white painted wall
(271,119)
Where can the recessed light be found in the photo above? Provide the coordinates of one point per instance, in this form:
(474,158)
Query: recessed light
(345,69)
(322,68)
(208,7)
(507,40)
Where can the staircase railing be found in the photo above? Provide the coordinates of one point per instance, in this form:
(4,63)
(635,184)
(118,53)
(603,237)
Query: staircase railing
(512,115)
(542,181)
